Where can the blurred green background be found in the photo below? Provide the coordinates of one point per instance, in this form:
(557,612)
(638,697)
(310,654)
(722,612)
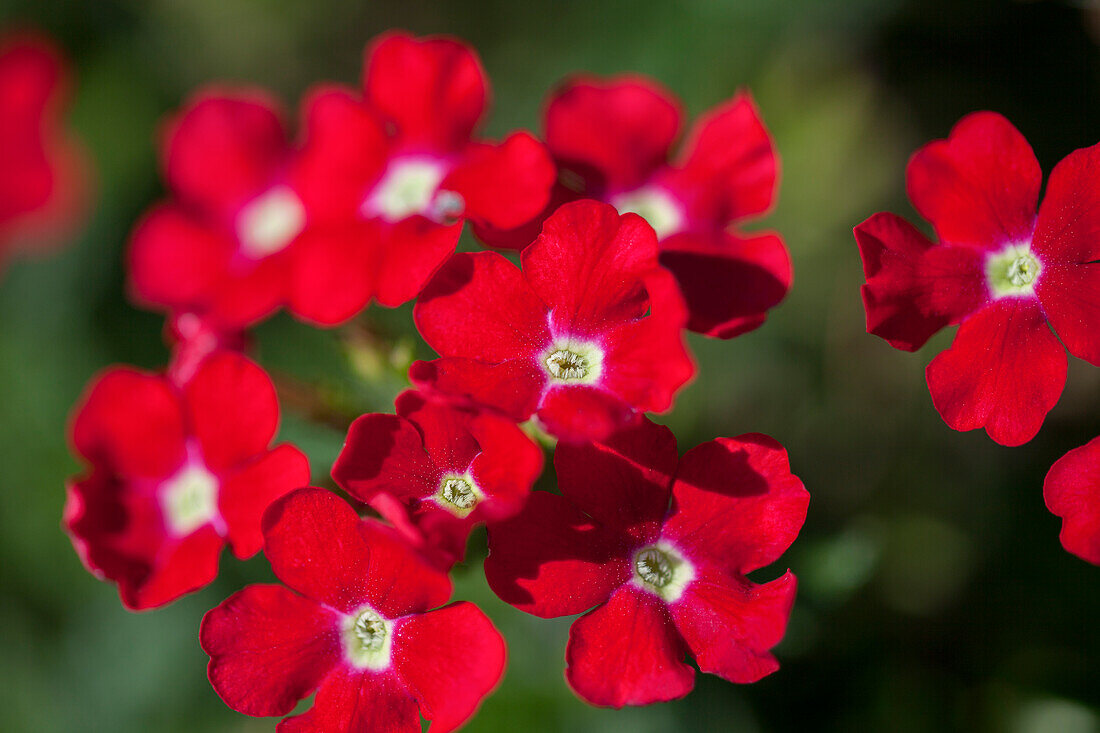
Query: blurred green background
(934,594)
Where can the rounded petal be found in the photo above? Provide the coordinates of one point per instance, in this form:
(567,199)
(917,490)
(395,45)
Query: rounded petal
(507,466)
(506,185)
(608,667)
(736,502)
(445,429)
(334,272)
(1072,492)
(511,387)
(411,251)
(350,701)
(1004,371)
(399,581)
(268,648)
(449,673)
(385,453)
(980,186)
(581,414)
(245,494)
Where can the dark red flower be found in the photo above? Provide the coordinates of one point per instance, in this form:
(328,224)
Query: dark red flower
(445,468)
(43,170)
(354,625)
(1072,492)
(664,582)
(1005,274)
(586,336)
(612,141)
(175,473)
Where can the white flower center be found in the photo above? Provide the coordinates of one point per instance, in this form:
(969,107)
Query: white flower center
(664,213)
(270,222)
(458,494)
(1012,271)
(189,499)
(662,570)
(368,639)
(573,362)
(410,187)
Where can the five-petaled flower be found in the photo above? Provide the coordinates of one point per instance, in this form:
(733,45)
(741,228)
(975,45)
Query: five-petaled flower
(585,337)
(999,270)
(664,581)
(176,472)
(437,470)
(354,624)
(1072,492)
(612,141)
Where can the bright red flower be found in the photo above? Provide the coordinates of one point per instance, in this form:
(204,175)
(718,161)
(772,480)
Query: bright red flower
(612,141)
(447,469)
(664,582)
(43,170)
(354,625)
(586,336)
(1072,492)
(1005,274)
(176,472)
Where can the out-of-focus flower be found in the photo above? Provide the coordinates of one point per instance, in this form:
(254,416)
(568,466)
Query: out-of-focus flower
(1072,492)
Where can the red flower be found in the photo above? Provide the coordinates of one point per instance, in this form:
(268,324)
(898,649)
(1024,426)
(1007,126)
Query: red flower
(1072,492)
(663,582)
(445,468)
(999,270)
(355,630)
(585,336)
(612,141)
(176,472)
(43,170)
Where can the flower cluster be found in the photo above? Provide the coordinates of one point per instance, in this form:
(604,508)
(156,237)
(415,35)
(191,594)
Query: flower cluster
(621,252)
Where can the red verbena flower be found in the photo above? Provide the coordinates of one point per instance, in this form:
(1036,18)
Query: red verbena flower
(446,468)
(176,471)
(1005,274)
(586,336)
(612,141)
(664,582)
(43,170)
(1072,492)
(354,625)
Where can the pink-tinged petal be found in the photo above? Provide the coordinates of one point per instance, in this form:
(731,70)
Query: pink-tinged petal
(224,147)
(1072,492)
(1067,242)
(479,306)
(350,701)
(615,132)
(728,281)
(444,427)
(588,265)
(550,560)
(268,648)
(232,409)
(736,502)
(132,422)
(980,186)
(399,581)
(729,163)
(505,185)
(245,494)
(432,89)
(511,387)
(1004,371)
(334,271)
(730,624)
(449,673)
(385,453)
(412,250)
(627,652)
(581,414)
(506,468)
(623,482)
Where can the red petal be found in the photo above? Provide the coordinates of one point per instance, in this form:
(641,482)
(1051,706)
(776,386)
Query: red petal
(1072,492)
(1004,372)
(334,271)
(730,623)
(627,652)
(1067,242)
(433,89)
(385,453)
(444,427)
(550,560)
(581,414)
(523,235)
(503,185)
(244,495)
(399,581)
(131,421)
(619,129)
(412,250)
(233,410)
(980,186)
(730,282)
(512,387)
(268,648)
(350,701)
(449,673)
(507,466)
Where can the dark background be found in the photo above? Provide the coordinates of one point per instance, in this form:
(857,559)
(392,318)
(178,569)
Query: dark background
(933,592)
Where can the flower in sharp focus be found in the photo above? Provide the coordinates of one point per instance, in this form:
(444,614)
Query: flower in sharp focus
(175,472)
(585,337)
(657,583)
(1006,275)
(1072,492)
(354,623)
